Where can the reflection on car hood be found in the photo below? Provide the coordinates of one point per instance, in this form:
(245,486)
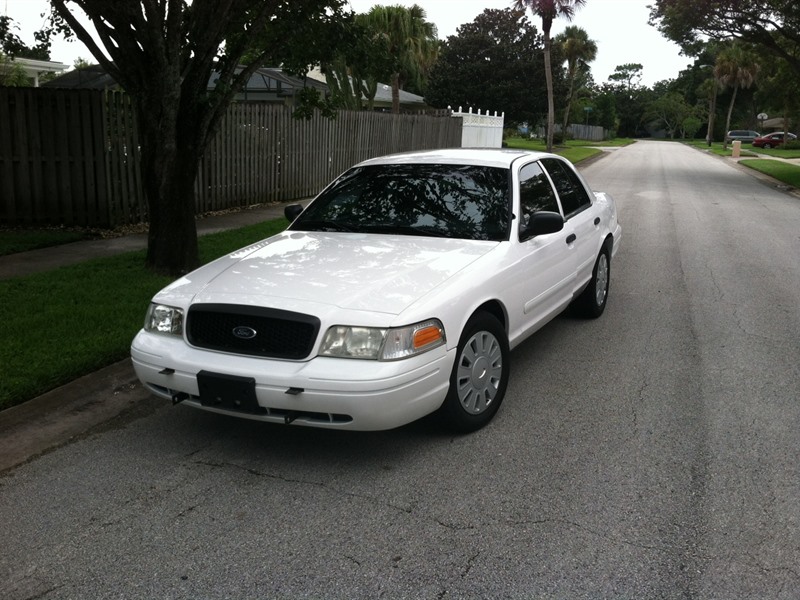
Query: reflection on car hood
(381,273)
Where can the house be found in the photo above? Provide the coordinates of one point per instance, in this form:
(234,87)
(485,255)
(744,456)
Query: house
(93,77)
(273,85)
(265,85)
(34,69)
(408,101)
(383,96)
(774,125)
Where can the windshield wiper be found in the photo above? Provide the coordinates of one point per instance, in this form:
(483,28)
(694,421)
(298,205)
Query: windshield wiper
(317,225)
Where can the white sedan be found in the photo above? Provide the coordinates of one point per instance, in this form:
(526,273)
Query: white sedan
(397,292)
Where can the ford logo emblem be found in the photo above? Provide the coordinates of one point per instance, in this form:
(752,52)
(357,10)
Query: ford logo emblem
(243,332)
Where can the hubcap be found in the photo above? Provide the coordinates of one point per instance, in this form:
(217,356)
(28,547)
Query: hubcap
(601,280)
(480,370)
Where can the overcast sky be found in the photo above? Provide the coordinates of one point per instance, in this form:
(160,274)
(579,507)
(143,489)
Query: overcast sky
(618,26)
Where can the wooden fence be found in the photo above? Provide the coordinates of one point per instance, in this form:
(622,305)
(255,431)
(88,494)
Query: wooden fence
(71,157)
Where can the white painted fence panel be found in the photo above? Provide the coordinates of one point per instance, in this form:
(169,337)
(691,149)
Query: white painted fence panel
(481,130)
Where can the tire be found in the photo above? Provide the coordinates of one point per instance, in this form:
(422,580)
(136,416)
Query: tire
(767,146)
(592,301)
(480,375)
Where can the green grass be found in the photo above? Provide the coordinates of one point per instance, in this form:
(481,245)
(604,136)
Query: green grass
(574,150)
(784,172)
(779,152)
(22,240)
(747,149)
(716,148)
(67,322)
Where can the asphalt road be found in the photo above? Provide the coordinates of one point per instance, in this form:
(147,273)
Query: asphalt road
(652,453)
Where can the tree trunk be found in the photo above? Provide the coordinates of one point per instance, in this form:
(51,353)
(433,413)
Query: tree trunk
(567,110)
(712,113)
(728,121)
(170,162)
(548,75)
(172,238)
(396,93)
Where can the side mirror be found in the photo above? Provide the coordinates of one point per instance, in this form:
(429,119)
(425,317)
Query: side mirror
(542,223)
(292,211)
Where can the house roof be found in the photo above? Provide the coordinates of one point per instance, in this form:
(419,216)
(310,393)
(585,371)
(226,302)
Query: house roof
(33,68)
(274,80)
(263,80)
(407,99)
(92,77)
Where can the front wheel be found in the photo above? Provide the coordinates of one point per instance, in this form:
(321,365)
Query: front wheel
(767,146)
(480,375)
(592,301)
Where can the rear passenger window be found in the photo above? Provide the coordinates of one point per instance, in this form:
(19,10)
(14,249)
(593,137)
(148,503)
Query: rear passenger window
(570,190)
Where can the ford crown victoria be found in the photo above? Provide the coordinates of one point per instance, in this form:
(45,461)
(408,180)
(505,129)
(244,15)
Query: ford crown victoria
(399,291)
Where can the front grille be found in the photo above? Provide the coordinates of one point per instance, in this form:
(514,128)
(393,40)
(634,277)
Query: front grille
(250,330)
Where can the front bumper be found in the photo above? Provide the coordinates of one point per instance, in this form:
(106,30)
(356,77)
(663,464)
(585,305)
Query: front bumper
(336,393)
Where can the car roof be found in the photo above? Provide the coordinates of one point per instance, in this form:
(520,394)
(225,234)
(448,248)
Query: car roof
(491,157)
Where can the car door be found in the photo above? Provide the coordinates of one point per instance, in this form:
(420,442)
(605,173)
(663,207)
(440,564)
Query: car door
(576,205)
(547,267)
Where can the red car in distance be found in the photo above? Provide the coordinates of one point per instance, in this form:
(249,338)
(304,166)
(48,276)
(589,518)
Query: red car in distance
(772,140)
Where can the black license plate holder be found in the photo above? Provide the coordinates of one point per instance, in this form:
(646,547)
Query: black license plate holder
(228,392)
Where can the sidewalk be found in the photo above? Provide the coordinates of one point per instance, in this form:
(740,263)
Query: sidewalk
(113,393)
(36,261)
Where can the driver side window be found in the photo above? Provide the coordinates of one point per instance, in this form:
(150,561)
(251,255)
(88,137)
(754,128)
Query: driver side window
(535,193)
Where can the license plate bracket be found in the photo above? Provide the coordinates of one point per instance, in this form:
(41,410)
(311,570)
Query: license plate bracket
(228,392)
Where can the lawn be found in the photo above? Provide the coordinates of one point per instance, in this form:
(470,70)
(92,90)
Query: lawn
(747,149)
(784,172)
(22,240)
(716,148)
(574,150)
(70,321)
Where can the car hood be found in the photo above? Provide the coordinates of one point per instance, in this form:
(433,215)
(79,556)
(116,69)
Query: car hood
(366,272)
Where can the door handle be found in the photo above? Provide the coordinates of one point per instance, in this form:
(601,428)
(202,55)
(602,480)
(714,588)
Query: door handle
(571,238)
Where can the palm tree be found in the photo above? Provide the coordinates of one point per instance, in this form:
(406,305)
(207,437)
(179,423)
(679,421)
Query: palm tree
(548,11)
(411,42)
(709,89)
(735,67)
(579,51)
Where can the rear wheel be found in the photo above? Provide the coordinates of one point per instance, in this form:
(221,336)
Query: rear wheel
(592,302)
(480,375)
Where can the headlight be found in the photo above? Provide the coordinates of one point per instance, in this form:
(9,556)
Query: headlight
(382,344)
(164,319)
(353,342)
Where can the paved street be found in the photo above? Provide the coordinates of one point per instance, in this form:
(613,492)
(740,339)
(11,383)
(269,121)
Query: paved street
(652,453)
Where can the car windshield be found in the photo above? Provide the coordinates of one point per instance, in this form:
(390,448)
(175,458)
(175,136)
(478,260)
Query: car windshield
(455,201)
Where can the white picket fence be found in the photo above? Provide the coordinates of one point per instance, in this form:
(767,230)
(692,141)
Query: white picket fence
(480,130)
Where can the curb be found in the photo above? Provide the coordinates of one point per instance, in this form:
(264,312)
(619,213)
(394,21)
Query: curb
(762,177)
(66,413)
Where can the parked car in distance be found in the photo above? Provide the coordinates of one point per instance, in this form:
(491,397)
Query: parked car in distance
(772,140)
(743,135)
(397,292)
